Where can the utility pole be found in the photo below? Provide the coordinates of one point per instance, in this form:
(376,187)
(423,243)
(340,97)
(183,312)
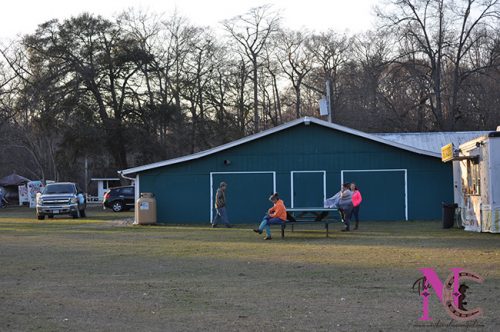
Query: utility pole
(329,99)
(86,173)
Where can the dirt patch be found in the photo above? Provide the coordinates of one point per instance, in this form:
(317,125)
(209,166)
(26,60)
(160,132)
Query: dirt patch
(123,222)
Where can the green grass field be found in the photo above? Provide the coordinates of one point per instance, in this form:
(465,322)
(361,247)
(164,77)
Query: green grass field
(101,273)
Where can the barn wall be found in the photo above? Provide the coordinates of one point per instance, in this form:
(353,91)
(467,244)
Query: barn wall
(183,190)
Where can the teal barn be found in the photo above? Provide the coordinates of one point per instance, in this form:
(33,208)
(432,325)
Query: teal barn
(305,160)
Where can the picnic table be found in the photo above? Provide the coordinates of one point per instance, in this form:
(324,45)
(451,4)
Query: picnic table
(310,215)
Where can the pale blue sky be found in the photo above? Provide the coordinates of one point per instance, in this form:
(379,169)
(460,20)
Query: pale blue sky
(356,15)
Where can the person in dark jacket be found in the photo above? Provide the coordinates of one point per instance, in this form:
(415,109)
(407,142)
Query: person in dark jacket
(220,207)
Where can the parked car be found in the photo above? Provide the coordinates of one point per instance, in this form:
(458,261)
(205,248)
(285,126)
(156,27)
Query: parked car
(119,198)
(60,198)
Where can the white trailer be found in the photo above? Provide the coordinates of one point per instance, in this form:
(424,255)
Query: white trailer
(477,183)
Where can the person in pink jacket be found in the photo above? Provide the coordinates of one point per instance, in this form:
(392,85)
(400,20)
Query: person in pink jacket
(356,201)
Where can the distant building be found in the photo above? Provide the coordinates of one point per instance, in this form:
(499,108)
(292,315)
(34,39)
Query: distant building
(476,165)
(103,184)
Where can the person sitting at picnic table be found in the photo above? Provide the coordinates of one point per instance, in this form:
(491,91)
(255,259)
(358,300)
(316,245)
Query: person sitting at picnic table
(275,216)
(332,202)
(345,205)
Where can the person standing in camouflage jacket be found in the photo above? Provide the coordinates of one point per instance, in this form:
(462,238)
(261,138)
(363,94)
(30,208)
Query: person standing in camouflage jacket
(220,207)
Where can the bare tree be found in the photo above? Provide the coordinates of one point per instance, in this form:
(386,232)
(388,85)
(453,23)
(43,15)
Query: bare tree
(330,52)
(296,61)
(252,31)
(199,69)
(368,92)
(28,104)
(272,69)
(239,76)
(443,34)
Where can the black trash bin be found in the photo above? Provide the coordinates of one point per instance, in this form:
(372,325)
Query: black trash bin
(449,214)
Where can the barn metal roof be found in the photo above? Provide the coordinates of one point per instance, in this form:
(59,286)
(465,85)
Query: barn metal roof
(432,141)
(305,121)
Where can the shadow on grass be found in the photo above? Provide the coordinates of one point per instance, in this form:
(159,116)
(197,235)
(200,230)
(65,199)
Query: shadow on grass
(403,234)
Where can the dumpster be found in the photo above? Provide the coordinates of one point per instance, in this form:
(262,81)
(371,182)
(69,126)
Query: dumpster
(449,214)
(145,209)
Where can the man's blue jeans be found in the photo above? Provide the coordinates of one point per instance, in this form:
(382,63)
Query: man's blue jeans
(220,214)
(269,221)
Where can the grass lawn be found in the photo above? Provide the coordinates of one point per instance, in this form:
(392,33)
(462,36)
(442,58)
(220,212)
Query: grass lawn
(101,273)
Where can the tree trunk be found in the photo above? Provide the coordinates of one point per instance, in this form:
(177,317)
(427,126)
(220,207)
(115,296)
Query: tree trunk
(255,96)
(297,101)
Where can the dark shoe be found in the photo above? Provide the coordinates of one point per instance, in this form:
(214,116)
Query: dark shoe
(214,225)
(257,231)
(228,226)
(355,227)
(345,230)
(268,238)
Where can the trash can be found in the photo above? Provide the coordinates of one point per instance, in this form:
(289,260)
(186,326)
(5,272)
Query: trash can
(449,214)
(145,210)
